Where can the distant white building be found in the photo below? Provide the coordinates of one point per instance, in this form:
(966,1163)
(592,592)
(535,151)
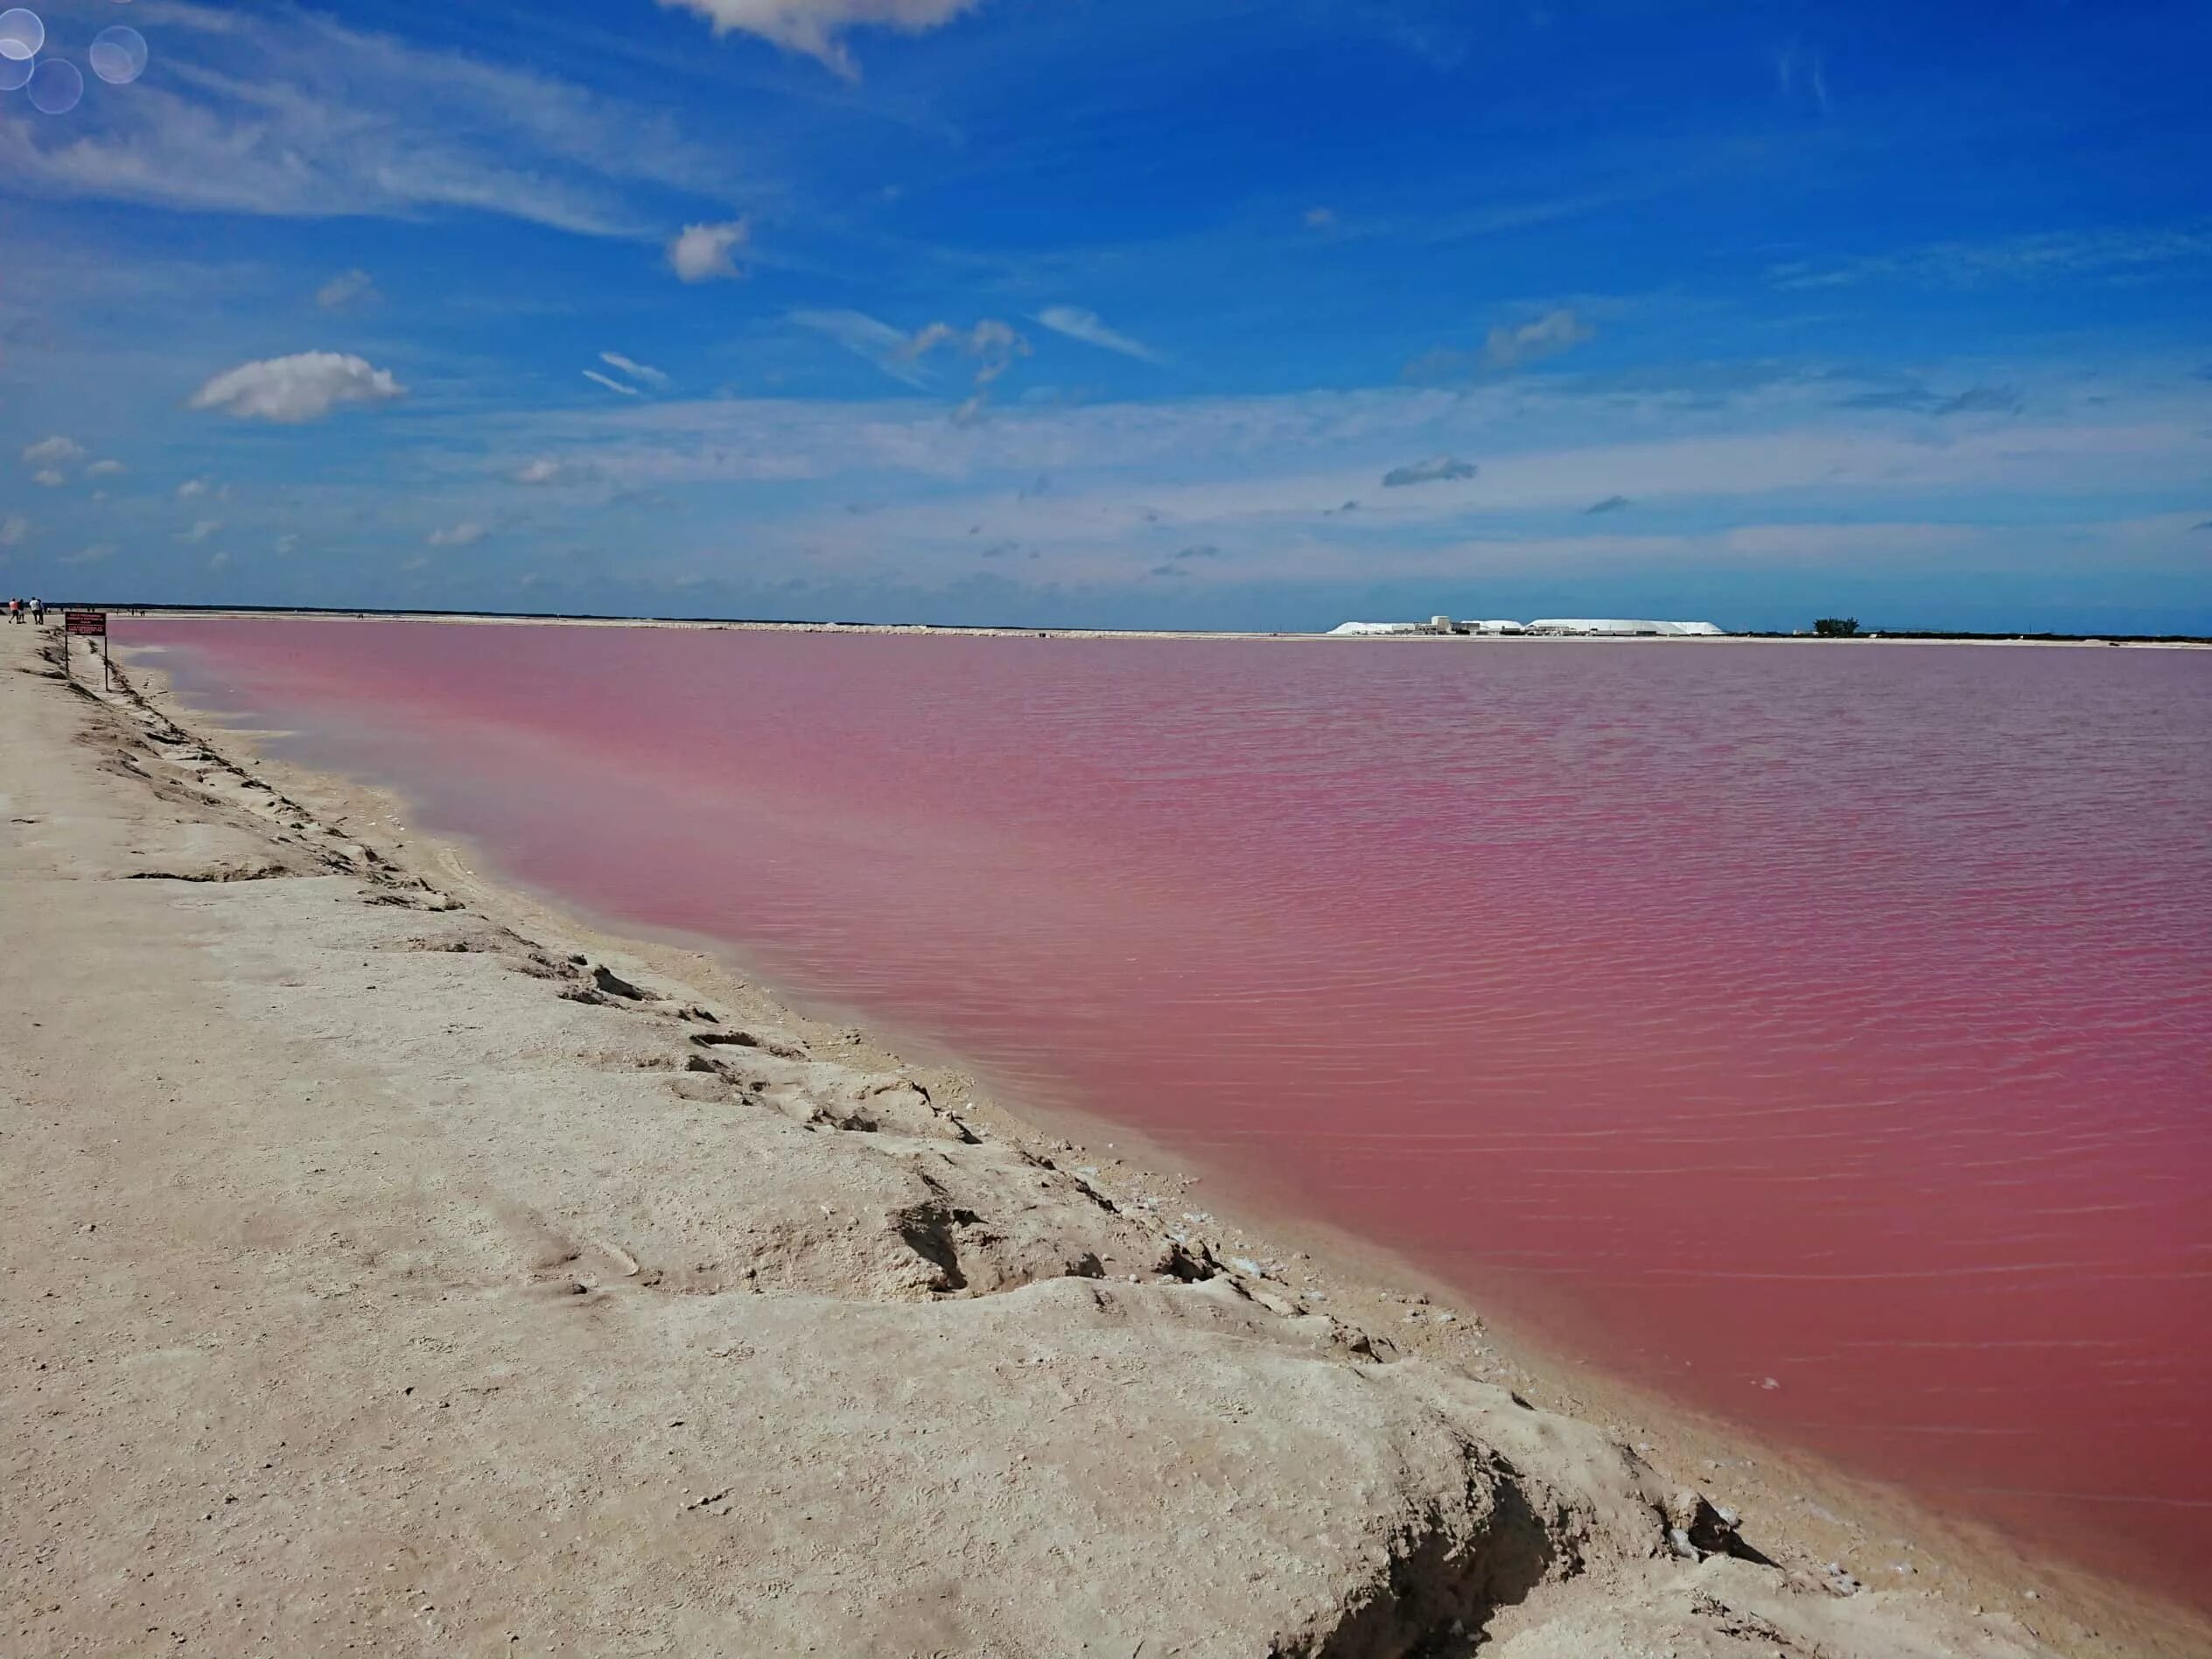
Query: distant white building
(1377,627)
(1620,626)
(1497,627)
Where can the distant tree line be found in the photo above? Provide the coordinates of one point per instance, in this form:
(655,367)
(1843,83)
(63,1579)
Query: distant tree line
(1835,628)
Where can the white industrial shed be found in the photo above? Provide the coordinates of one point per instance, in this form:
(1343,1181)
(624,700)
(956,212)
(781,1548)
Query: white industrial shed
(1612,625)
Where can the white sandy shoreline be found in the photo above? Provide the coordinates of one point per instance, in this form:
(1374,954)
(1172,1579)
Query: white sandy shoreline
(635,1198)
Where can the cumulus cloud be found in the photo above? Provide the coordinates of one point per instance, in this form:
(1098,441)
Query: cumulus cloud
(305,387)
(703,253)
(610,383)
(354,287)
(817,27)
(54,451)
(192,487)
(103,469)
(540,471)
(1087,327)
(48,478)
(13,528)
(457,536)
(1437,469)
(1611,504)
(286,544)
(201,530)
(644,374)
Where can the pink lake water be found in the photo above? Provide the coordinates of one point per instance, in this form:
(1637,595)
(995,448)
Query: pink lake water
(1822,1035)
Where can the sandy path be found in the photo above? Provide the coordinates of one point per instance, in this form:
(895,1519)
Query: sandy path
(377,1279)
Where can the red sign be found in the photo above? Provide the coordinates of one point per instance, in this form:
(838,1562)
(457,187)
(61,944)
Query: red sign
(94,622)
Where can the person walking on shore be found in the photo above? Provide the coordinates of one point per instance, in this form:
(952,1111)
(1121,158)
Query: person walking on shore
(15,610)
(37,611)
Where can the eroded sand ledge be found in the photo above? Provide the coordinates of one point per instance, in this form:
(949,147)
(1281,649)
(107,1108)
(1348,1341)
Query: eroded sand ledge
(378,1278)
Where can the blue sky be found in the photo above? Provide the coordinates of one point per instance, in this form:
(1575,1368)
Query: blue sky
(1209,312)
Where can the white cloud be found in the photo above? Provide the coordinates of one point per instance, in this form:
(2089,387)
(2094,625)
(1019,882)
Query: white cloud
(348,288)
(192,487)
(48,478)
(610,382)
(1508,347)
(104,469)
(286,544)
(815,27)
(217,561)
(1548,335)
(540,471)
(280,111)
(201,531)
(864,336)
(701,253)
(2056,254)
(305,387)
(645,373)
(13,528)
(993,344)
(457,536)
(1320,218)
(1087,327)
(55,450)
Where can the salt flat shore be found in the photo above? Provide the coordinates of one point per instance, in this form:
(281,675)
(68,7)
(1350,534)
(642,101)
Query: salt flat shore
(383,1276)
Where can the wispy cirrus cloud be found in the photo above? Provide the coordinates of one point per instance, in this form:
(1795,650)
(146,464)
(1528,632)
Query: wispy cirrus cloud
(284,111)
(644,374)
(1087,327)
(2054,256)
(610,383)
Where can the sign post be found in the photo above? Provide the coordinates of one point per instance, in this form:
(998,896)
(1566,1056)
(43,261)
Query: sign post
(93,625)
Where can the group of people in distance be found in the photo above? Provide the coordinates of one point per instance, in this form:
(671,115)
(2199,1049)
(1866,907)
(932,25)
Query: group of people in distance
(34,610)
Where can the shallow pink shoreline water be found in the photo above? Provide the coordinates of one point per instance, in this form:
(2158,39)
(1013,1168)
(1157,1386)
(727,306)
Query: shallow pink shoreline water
(1821,1035)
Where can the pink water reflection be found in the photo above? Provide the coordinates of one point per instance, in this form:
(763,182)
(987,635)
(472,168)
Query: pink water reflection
(1838,1017)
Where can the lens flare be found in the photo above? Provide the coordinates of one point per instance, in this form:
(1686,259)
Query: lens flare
(22,32)
(57,86)
(118,55)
